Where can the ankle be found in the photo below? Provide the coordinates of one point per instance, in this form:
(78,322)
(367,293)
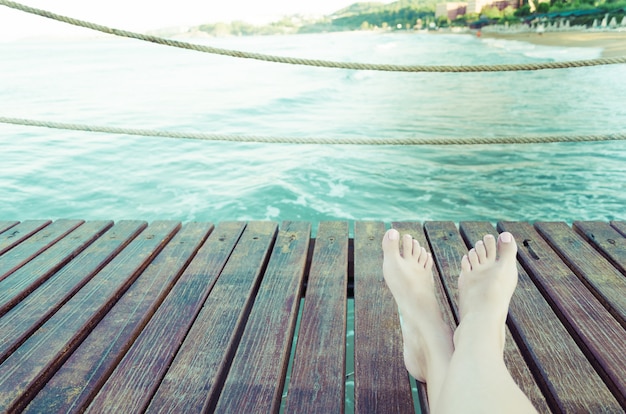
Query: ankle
(479,332)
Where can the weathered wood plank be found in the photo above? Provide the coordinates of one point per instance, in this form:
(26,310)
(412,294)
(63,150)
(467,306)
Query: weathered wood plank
(158,343)
(19,233)
(598,334)
(620,226)
(318,374)
(604,281)
(606,239)
(23,252)
(28,277)
(197,370)
(256,378)
(560,367)
(381,381)
(23,319)
(82,375)
(25,371)
(448,248)
(6,225)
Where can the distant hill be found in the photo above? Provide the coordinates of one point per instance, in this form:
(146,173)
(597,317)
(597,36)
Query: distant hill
(401,13)
(358,8)
(376,7)
(363,15)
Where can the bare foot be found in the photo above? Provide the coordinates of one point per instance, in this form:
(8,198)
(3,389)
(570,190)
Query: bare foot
(478,380)
(486,284)
(427,338)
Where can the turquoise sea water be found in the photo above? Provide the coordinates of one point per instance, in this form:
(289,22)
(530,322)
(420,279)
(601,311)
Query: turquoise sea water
(118,82)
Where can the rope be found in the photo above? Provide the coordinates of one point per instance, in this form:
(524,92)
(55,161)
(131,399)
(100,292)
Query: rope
(313,62)
(317,141)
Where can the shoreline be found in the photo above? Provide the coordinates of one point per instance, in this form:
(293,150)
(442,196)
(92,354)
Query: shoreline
(613,43)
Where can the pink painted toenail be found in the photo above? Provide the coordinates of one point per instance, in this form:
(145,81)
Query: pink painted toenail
(506,237)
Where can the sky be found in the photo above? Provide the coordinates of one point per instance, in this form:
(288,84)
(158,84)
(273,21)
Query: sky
(144,15)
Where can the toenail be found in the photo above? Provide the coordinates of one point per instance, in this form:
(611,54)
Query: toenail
(506,237)
(393,234)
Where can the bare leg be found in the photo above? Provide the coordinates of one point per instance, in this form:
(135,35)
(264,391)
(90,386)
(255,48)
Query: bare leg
(427,338)
(477,380)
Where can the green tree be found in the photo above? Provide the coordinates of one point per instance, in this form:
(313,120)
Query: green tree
(522,11)
(491,12)
(460,20)
(443,21)
(543,8)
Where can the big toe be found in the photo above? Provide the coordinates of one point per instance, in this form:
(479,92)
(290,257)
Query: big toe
(507,247)
(391,242)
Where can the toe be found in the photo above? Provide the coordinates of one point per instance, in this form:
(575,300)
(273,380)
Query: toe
(423,256)
(391,244)
(507,248)
(466,266)
(429,261)
(417,250)
(490,246)
(407,245)
(473,258)
(481,251)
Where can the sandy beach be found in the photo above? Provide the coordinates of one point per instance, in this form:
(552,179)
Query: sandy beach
(612,42)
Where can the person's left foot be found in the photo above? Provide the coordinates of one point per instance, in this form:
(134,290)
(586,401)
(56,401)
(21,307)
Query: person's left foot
(486,284)
(427,338)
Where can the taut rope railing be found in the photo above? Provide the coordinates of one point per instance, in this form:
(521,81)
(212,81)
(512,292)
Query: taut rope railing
(318,63)
(317,141)
(313,62)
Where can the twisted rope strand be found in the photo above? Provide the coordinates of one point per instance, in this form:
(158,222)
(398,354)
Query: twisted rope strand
(313,62)
(316,141)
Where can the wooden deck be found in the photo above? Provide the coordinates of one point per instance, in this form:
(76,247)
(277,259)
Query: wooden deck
(166,317)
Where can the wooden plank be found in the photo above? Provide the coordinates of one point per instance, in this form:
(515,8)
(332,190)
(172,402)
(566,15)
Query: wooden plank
(620,226)
(196,376)
(604,281)
(19,233)
(28,315)
(448,248)
(29,276)
(22,253)
(417,232)
(560,367)
(381,380)
(23,319)
(159,341)
(606,239)
(318,374)
(83,374)
(256,378)
(599,335)
(25,371)
(6,225)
